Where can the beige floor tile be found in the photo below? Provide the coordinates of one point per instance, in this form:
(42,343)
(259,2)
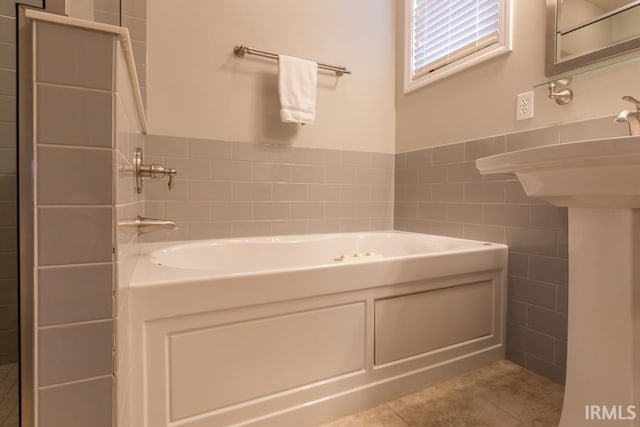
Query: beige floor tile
(380,416)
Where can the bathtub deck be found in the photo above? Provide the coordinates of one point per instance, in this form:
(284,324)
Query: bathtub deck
(501,394)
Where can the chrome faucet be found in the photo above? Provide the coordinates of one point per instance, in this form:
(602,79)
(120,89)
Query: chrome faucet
(142,225)
(151,171)
(632,118)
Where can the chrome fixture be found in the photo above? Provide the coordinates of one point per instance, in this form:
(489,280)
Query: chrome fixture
(142,225)
(559,92)
(632,118)
(242,50)
(151,171)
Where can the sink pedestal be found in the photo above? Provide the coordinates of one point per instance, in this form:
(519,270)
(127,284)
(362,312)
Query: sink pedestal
(603,356)
(599,181)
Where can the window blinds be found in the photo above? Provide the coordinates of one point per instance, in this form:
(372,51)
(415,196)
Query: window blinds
(447,30)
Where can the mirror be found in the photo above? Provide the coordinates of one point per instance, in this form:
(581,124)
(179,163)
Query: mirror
(581,32)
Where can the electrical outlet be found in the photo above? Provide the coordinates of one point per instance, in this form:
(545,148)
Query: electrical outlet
(524,106)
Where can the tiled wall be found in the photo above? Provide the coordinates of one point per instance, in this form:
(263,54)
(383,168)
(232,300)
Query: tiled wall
(86,129)
(134,17)
(8,209)
(227,189)
(439,191)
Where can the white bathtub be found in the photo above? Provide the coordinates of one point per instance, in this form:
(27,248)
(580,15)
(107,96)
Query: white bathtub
(296,330)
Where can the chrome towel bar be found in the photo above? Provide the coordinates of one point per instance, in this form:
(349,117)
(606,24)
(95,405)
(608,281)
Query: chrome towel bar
(242,50)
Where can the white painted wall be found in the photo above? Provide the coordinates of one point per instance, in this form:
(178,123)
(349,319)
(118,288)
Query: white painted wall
(481,101)
(197,87)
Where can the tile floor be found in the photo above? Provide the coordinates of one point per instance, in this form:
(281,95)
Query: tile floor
(502,394)
(9,395)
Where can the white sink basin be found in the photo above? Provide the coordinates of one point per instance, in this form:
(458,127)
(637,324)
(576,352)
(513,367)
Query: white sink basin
(599,181)
(595,173)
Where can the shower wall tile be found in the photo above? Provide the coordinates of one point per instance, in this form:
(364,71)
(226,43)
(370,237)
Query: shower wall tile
(232,189)
(74,352)
(438,191)
(85,263)
(74,57)
(74,405)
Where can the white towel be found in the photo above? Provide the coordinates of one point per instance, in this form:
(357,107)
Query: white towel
(297,83)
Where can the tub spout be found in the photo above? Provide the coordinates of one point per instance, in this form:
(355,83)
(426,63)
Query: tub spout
(142,225)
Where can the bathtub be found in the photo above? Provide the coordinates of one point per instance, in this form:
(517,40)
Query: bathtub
(297,330)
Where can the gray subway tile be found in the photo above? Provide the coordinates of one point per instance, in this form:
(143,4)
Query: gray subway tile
(74,116)
(8,265)
(518,264)
(187,211)
(137,27)
(406,209)
(406,176)
(484,147)
(545,368)
(7,54)
(8,135)
(75,294)
(81,404)
(229,170)
(463,172)
(9,344)
(549,217)
(8,108)
(74,56)
(548,269)
(307,174)
(602,127)
(532,292)
(7,29)
(136,8)
(250,229)
(373,210)
(75,352)
(7,82)
(8,212)
(340,175)
(560,353)
(374,176)
(515,355)
(165,146)
(360,159)
(210,190)
(340,210)
(74,235)
(562,299)
(355,193)
(284,192)
(484,192)
(382,160)
(517,312)
(448,154)
(447,192)
(536,242)
(514,193)
(271,172)
(507,215)
(189,168)
(74,176)
(323,192)
(232,211)
(323,226)
(252,191)
(324,157)
(288,227)
(210,149)
(209,230)
(8,239)
(8,188)
(530,341)
(487,233)
(156,189)
(8,317)
(432,211)
(8,291)
(432,174)
(464,212)
(270,210)
(307,210)
(447,229)
(547,321)
(532,138)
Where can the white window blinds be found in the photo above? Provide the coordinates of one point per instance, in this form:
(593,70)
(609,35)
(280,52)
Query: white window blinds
(447,30)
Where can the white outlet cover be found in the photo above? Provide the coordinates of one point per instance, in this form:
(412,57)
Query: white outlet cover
(524,106)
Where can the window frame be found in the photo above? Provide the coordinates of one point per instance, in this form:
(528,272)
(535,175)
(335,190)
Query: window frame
(503,45)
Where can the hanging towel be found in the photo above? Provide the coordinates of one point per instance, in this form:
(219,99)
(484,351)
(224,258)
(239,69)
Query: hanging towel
(297,81)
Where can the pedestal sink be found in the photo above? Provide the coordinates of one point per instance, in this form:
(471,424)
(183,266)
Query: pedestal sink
(599,181)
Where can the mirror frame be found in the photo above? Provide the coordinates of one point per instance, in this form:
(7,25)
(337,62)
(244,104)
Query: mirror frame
(553,67)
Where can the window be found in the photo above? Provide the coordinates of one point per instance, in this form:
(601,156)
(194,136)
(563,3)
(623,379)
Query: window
(443,37)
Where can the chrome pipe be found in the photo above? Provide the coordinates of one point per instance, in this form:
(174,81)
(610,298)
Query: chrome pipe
(143,225)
